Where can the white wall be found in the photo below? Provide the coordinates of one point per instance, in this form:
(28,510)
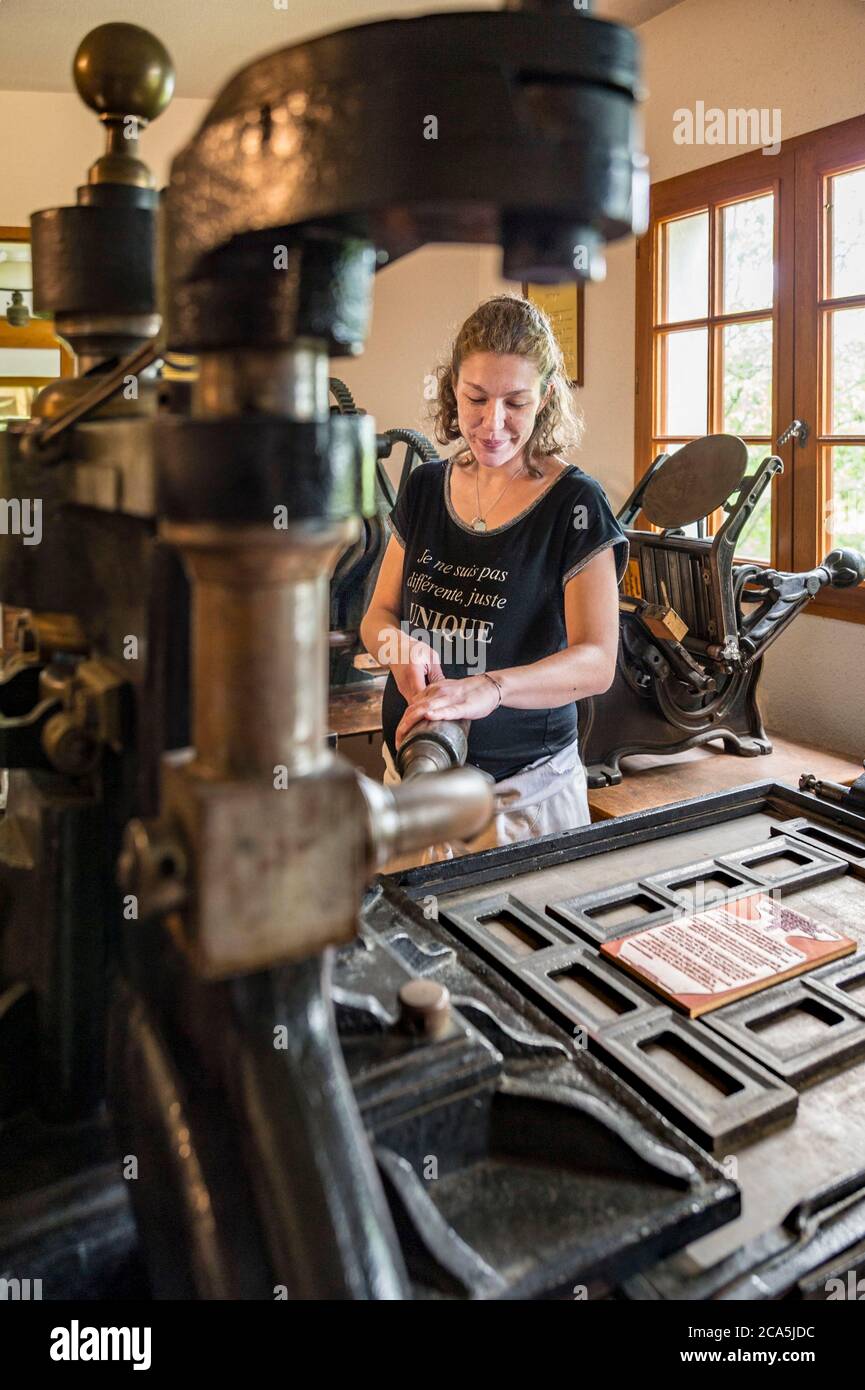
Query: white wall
(803,58)
(50,140)
(419,303)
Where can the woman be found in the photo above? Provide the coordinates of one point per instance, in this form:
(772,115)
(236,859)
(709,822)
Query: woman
(497,598)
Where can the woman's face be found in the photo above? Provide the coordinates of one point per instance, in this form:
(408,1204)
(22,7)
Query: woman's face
(498,396)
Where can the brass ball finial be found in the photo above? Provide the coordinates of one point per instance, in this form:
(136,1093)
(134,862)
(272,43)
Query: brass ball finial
(123,70)
(126,76)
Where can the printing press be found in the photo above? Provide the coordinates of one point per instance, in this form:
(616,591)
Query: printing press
(237,1062)
(695,623)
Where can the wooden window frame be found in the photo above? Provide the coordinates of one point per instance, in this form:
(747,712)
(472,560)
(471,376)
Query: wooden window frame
(819,155)
(797,176)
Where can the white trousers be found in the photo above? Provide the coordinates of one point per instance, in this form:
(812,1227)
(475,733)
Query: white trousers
(549,795)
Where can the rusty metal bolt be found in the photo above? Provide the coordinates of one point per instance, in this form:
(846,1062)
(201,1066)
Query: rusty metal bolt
(425,1008)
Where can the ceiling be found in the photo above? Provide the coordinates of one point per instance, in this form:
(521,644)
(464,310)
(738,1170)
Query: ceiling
(209,39)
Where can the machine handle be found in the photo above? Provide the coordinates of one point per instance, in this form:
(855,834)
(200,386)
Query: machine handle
(846,568)
(786,594)
(434,745)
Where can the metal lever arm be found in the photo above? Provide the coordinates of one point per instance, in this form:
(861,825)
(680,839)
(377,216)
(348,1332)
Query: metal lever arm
(785,594)
(40,434)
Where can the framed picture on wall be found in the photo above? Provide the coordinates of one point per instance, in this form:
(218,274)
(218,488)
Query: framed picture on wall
(564,306)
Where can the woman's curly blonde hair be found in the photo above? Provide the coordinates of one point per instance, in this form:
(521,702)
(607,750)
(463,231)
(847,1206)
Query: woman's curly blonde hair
(509,324)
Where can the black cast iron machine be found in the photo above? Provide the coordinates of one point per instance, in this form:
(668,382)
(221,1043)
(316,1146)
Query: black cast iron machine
(695,621)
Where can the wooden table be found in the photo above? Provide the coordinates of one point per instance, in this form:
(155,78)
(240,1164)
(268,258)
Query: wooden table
(356,709)
(653,779)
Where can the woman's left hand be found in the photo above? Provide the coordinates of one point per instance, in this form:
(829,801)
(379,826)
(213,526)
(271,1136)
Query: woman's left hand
(474,697)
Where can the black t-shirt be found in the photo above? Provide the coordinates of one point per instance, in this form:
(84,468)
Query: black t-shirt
(488,600)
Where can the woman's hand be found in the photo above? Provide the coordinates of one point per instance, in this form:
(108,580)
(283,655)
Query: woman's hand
(419,665)
(473,697)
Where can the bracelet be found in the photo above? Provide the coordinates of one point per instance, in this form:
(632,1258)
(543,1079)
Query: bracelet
(497,686)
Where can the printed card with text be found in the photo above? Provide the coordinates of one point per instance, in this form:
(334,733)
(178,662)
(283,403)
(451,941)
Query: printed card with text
(710,958)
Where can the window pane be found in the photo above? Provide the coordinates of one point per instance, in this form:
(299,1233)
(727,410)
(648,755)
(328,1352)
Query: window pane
(30,362)
(845,520)
(747,231)
(686,257)
(846,352)
(746,374)
(847,224)
(15,269)
(683,369)
(755,542)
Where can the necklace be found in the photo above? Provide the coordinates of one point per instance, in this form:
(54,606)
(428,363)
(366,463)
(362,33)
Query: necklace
(479,522)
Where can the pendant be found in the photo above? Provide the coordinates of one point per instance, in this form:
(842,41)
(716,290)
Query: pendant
(478,524)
